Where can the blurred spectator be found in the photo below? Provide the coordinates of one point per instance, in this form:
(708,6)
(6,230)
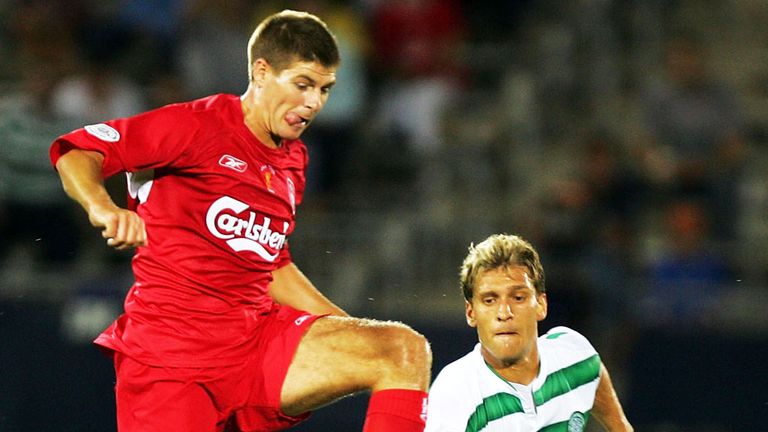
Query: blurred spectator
(417,57)
(165,88)
(617,197)
(37,30)
(33,212)
(565,222)
(33,215)
(154,27)
(587,223)
(416,74)
(210,55)
(696,148)
(617,190)
(689,276)
(335,133)
(495,21)
(99,90)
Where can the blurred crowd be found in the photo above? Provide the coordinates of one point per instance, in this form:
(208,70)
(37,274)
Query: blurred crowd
(626,139)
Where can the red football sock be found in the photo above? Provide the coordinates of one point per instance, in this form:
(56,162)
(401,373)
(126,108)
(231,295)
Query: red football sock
(396,410)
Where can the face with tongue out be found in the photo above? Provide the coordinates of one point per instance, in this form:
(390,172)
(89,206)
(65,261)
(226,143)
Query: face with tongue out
(506,309)
(296,120)
(279,105)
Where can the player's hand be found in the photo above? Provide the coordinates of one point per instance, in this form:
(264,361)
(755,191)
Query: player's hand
(123,229)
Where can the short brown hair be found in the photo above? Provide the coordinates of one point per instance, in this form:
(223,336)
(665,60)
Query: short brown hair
(500,250)
(290,36)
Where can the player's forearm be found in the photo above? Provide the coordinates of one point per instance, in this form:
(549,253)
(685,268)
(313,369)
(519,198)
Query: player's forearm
(290,287)
(80,173)
(607,408)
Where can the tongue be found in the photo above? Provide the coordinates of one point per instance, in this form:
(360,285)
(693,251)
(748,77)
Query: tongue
(293,119)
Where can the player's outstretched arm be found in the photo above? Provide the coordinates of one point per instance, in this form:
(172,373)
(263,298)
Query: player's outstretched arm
(290,287)
(80,173)
(607,408)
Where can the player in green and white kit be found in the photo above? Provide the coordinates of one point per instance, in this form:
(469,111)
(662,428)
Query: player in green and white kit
(514,380)
(470,395)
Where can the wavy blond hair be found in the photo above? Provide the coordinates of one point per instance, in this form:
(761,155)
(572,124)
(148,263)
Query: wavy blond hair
(500,250)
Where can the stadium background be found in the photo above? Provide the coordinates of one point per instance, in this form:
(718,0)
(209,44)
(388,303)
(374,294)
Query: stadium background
(452,120)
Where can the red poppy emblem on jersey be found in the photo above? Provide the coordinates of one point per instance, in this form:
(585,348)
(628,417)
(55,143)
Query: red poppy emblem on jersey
(268,172)
(234,163)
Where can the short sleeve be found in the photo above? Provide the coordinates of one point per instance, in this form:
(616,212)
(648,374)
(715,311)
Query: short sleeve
(154,139)
(442,405)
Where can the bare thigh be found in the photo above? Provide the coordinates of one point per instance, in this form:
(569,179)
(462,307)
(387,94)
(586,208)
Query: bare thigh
(340,356)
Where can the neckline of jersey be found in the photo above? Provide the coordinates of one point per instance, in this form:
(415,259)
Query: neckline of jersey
(245,132)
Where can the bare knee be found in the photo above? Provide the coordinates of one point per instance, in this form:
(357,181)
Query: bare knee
(405,358)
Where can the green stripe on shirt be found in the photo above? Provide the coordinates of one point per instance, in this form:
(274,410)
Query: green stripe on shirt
(493,407)
(557,383)
(567,379)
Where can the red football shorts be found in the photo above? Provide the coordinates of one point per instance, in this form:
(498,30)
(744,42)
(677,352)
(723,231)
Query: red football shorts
(244,397)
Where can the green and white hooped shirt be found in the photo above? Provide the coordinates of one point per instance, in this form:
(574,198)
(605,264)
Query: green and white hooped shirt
(468,396)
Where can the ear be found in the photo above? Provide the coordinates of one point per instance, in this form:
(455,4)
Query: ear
(259,71)
(469,314)
(541,306)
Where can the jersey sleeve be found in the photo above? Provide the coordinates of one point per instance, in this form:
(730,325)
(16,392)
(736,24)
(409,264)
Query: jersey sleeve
(154,139)
(443,403)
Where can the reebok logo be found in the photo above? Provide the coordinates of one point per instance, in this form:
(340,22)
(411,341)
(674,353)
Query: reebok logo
(244,233)
(300,320)
(234,163)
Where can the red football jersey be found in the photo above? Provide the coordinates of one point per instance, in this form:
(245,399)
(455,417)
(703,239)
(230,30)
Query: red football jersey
(218,206)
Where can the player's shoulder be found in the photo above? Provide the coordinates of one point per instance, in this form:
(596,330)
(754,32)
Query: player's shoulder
(205,117)
(220,101)
(210,109)
(566,339)
(458,370)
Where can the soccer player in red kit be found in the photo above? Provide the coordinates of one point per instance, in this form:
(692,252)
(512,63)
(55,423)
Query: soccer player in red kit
(221,327)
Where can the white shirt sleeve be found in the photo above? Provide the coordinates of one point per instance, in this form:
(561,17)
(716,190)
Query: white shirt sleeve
(452,396)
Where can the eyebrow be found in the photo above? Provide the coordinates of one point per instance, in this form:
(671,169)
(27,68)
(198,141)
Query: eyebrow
(314,82)
(514,289)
